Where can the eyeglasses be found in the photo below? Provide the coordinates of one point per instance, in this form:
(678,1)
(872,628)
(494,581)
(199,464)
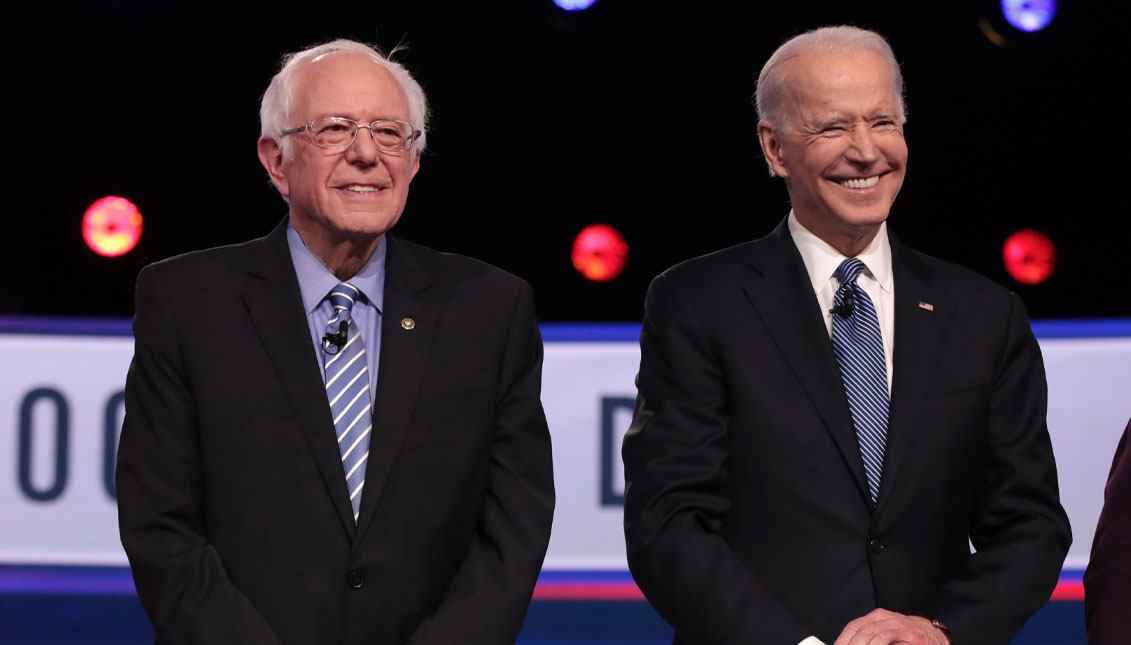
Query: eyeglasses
(339,133)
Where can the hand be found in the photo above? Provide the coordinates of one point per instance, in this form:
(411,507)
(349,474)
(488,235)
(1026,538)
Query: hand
(883,627)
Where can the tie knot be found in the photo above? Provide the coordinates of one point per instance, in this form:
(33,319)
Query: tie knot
(343,296)
(849,270)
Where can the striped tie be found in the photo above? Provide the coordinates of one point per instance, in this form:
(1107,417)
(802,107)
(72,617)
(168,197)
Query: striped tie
(347,387)
(859,351)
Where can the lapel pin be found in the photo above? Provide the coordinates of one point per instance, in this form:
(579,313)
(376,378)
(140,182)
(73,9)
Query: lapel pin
(409,324)
(926,305)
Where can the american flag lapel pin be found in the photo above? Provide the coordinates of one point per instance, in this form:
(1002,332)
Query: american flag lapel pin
(926,305)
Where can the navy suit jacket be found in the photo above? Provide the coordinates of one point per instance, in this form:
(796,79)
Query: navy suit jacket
(747,514)
(233,505)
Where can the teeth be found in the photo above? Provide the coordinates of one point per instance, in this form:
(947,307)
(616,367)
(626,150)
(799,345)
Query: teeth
(861,183)
(361,189)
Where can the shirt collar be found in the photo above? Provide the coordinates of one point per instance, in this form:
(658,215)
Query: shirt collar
(315,281)
(821,259)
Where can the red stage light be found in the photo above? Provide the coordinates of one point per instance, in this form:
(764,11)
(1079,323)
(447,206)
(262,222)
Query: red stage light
(1029,256)
(111,226)
(600,252)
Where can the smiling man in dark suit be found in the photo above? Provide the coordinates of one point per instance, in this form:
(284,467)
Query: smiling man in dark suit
(273,489)
(826,419)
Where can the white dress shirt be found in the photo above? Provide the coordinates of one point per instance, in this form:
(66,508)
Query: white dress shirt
(821,261)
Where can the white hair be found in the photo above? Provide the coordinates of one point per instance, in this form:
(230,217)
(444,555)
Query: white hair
(278,100)
(769,97)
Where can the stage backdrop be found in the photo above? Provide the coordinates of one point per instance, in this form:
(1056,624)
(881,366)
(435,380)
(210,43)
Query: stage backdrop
(61,411)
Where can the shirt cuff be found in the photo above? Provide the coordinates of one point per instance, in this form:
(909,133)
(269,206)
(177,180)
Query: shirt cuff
(812,640)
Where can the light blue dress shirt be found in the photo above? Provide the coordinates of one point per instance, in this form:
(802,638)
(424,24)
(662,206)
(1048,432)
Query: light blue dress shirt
(315,283)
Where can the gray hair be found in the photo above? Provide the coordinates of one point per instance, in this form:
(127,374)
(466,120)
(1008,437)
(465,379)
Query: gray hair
(769,96)
(275,108)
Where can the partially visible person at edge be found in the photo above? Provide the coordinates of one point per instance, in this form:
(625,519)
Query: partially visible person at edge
(1107,580)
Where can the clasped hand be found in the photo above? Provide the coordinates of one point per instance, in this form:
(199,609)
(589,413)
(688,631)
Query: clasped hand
(883,627)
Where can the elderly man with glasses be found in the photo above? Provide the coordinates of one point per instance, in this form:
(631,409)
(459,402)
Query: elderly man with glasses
(331,435)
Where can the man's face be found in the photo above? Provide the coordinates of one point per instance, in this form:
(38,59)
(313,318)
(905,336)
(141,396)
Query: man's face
(842,152)
(345,195)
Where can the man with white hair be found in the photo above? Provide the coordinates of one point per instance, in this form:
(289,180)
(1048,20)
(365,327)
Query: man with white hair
(273,489)
(828,420)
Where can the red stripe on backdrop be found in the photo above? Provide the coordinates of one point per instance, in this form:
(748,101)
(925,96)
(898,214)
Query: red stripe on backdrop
(1066,590)
(587,591)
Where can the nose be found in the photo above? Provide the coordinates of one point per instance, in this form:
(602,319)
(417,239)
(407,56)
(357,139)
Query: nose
(862,149)
(363,151)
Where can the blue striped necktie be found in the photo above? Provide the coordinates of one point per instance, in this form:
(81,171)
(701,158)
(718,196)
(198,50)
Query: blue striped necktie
(859,351)
(347,388)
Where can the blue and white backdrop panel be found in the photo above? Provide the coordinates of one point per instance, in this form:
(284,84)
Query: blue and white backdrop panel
(61,411)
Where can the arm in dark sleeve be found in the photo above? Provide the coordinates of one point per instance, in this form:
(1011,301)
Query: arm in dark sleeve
(1019,529)
(180,579)
(1107,581)
(488,596)
(675,460)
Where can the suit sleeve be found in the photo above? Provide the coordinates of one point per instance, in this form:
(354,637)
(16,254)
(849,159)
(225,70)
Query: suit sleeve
(1019,530)
(676,490)
(488,596)
(179,577)
(1107,581)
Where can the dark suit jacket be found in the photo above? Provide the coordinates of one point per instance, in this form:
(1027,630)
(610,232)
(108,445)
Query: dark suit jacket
(747,515)
(1107,581)
(232,499)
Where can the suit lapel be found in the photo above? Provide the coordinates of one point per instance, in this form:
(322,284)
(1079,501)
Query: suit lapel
(919,331)
(782,295)
(404,355)
(275,304)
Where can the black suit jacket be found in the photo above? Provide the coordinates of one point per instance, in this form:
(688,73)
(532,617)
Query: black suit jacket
(232,499)
(1107,581)
(747,514)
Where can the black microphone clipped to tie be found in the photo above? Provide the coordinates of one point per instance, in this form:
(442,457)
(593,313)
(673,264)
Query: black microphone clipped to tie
(844,309)
(333,343)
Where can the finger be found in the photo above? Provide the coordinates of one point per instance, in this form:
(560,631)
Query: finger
(871,638)
(874,633)
(895,629)
(905,632)
(853,627)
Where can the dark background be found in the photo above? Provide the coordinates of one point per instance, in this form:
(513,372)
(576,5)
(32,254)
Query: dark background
(633,113)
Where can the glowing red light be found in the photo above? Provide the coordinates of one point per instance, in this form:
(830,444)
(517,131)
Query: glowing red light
(600,252)
(1029,256)
(111,226)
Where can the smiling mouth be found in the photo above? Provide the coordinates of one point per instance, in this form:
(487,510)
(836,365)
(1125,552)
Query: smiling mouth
(358,188)
(858,184)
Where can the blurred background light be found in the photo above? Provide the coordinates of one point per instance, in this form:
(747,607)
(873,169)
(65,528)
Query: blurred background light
(600,252)
(549,75)
(1029,15)
(111,226)
(1029,256)
(574,5)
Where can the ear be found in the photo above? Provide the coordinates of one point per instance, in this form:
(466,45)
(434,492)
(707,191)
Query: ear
(415,163)
(772,149)
(271,156)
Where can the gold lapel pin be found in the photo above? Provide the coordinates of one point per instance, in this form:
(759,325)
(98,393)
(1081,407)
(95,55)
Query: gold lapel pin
(408,324)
